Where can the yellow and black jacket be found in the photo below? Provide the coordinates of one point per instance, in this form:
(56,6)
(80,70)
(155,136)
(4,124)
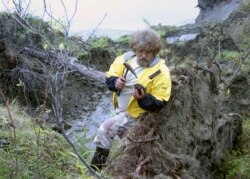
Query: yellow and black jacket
(156,79)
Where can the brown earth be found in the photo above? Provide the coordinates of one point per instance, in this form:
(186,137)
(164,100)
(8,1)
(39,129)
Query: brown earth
(188,137)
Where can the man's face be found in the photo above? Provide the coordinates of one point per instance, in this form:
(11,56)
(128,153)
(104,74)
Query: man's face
(144,57)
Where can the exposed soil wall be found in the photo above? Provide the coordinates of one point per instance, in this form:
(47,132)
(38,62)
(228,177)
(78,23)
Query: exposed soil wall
(186,138)
(81,96)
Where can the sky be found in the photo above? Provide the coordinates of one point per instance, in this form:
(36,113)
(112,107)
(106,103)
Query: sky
(120,14)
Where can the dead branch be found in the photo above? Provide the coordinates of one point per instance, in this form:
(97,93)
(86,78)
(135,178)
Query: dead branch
(151,132)
(12,124)
(141,164)
(57,83)
(69,20)
(71,64)
(93,32)
(36,53)
(143,140)
(148,137)
(87,71)
(19,6)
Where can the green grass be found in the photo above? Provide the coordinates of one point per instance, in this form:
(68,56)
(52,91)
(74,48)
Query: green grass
(238,160)
(39,152)
(231,55)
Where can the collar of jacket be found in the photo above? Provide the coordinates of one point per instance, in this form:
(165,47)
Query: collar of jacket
(154,61)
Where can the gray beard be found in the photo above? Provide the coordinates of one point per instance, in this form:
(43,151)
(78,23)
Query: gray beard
(143,63)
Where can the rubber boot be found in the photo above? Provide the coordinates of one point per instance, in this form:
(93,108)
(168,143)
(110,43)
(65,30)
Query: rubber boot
(99,158)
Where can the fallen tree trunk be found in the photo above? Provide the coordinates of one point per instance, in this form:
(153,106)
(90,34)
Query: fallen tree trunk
(87,71)
(30,68)
(71,63)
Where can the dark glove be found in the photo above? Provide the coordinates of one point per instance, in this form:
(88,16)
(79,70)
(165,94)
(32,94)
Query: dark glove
(138,87)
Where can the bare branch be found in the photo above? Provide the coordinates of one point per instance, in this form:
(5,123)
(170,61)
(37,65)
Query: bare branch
(27,7)
(52,18)
(71,65)
(56,90)
(42,17)
(20,6)
(74,13)
(141,164)
(143,140)
(65,11)
(67,18)
(27,26)
(93,32)
(212,54)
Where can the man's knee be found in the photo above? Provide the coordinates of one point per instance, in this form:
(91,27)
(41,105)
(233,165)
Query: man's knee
(107,124)
(102,139)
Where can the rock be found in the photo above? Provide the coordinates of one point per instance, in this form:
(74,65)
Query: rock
(4,143)
(211,10)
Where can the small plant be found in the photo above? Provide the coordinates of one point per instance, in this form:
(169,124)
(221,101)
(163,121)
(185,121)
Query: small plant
(102,42)
(238,163)
(164,31)
(124,40)
(246,5)
(231,55)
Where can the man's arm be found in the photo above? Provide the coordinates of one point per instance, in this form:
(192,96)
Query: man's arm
(110,83)
(160,91)
(150,103)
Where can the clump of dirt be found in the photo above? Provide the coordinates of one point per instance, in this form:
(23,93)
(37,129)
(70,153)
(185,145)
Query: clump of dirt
(98,58)
(188,137)
(81,95)
(13,77)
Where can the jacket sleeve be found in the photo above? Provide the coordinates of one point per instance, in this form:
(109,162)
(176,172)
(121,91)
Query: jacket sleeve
(150,103)
(110,83)
(158,93)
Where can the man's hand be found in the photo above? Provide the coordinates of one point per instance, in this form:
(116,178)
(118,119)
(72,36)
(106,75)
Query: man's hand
(120,83)
(138,95)
(139,91)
